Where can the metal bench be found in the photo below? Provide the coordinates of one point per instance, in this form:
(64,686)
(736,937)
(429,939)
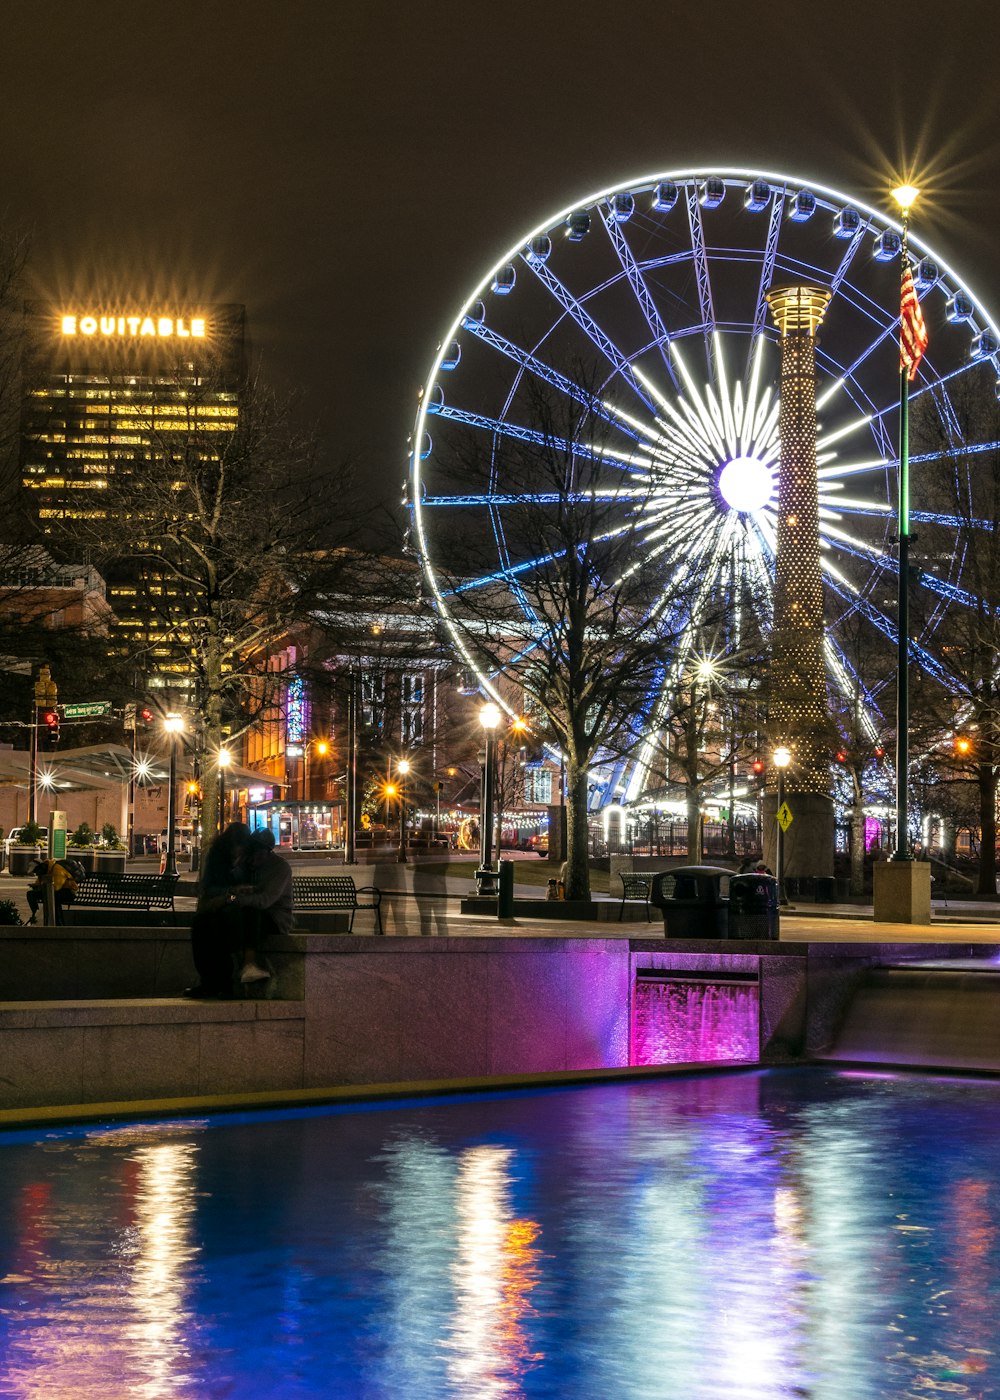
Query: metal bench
(335,892)
(634,887)
(127,891)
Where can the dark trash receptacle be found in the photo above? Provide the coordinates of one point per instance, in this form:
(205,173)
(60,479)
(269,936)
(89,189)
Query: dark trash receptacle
(826,889)
(693,900)
(753,906)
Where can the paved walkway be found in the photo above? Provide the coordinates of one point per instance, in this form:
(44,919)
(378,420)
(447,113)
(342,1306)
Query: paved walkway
(424,900)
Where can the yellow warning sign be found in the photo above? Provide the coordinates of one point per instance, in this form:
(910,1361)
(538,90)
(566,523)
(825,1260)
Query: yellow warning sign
(785,817)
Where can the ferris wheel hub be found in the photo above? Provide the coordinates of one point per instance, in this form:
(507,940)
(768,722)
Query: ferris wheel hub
(746,484)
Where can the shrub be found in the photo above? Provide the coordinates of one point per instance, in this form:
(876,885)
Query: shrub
(82,836)
(9,913)
(110,837)
(31,835)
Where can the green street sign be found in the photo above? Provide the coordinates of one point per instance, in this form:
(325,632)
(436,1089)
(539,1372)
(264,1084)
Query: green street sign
(93,710)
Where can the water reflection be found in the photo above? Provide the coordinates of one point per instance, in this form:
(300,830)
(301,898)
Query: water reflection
(494,1273)
(747,1237)
(96,1303)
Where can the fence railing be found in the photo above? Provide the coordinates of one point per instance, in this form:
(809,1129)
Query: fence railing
(664,837)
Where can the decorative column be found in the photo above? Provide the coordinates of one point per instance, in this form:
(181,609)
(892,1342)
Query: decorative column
(798,707)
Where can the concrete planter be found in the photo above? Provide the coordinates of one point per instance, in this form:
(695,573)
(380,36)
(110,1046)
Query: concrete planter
(23,858)
(84,854)
(109,862)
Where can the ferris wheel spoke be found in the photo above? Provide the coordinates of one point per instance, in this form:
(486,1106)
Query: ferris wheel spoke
(589,327)
(700,259)
(549,375)
(766,276)
(952,453)
(887,627)
(502,427)
(849,683)
(637,282)
(854,243)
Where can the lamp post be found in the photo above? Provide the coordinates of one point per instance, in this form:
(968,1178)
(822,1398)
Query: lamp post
(781,758)
(905,196)
(173,724)
(402,768)
(486,876)
(45,699)
(224,760)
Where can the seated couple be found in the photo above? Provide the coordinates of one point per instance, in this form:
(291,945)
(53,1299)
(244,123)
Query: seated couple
(244,898)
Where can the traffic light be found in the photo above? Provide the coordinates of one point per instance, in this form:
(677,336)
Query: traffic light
(841,755)
(759,768)
(49,731)
(145,714)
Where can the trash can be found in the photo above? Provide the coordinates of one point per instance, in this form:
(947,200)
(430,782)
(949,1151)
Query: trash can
(693,900)
(753,906)
(826,889)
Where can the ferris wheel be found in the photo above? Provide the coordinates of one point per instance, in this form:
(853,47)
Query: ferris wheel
(661,283)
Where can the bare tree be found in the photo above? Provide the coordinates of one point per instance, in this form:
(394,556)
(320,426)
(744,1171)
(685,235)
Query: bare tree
(228,536)
(960,492)
(574,626)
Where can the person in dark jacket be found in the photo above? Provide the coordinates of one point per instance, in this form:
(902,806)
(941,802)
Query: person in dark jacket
(265,906)
(215,930)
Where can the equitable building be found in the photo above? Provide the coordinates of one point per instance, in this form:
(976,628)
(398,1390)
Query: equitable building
(107,386)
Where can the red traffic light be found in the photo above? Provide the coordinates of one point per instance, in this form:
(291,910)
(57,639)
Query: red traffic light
(146,715)
(841,755)
(759,766)
(51,718)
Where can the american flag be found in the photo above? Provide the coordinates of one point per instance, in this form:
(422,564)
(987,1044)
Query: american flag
(912,331)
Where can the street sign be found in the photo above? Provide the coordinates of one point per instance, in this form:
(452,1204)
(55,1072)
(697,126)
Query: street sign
(785,817)
(92,710)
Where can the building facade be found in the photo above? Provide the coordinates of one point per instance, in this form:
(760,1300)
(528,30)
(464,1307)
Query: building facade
(107,388)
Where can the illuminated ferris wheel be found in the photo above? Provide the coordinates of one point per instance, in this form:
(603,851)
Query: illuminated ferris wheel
(661,283)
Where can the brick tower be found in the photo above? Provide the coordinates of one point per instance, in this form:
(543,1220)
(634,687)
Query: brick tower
(798,709)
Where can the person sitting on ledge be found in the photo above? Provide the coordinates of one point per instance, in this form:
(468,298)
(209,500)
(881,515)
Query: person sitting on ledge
(265,906)
(63,886)
(215,929)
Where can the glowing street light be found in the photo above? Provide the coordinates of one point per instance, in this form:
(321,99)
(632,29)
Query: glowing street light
(173,724)
(489,718)
(402,768)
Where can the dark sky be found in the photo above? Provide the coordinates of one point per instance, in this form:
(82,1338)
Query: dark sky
(350,171)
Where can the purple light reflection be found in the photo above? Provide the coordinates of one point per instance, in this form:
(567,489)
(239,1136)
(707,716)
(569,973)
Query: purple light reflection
(686,1022)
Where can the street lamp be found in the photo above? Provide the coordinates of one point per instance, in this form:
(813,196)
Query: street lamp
(224,760)
(402,768)
(489,718)
(173,724)
(781,758)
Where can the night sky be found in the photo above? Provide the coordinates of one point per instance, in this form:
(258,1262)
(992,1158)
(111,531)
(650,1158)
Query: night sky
(351,171)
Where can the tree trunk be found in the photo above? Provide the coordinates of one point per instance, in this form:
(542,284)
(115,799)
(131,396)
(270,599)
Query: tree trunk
(577,838)
(857,838)
(693,797)
(987,886)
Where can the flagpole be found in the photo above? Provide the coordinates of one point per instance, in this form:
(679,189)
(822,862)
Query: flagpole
(902,851)
(904,197)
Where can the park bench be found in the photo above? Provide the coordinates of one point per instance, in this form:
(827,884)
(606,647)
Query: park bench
(148,893)
(335,892)
(634,887)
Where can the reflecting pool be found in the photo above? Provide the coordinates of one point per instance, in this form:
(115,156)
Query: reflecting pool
(750,1234)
